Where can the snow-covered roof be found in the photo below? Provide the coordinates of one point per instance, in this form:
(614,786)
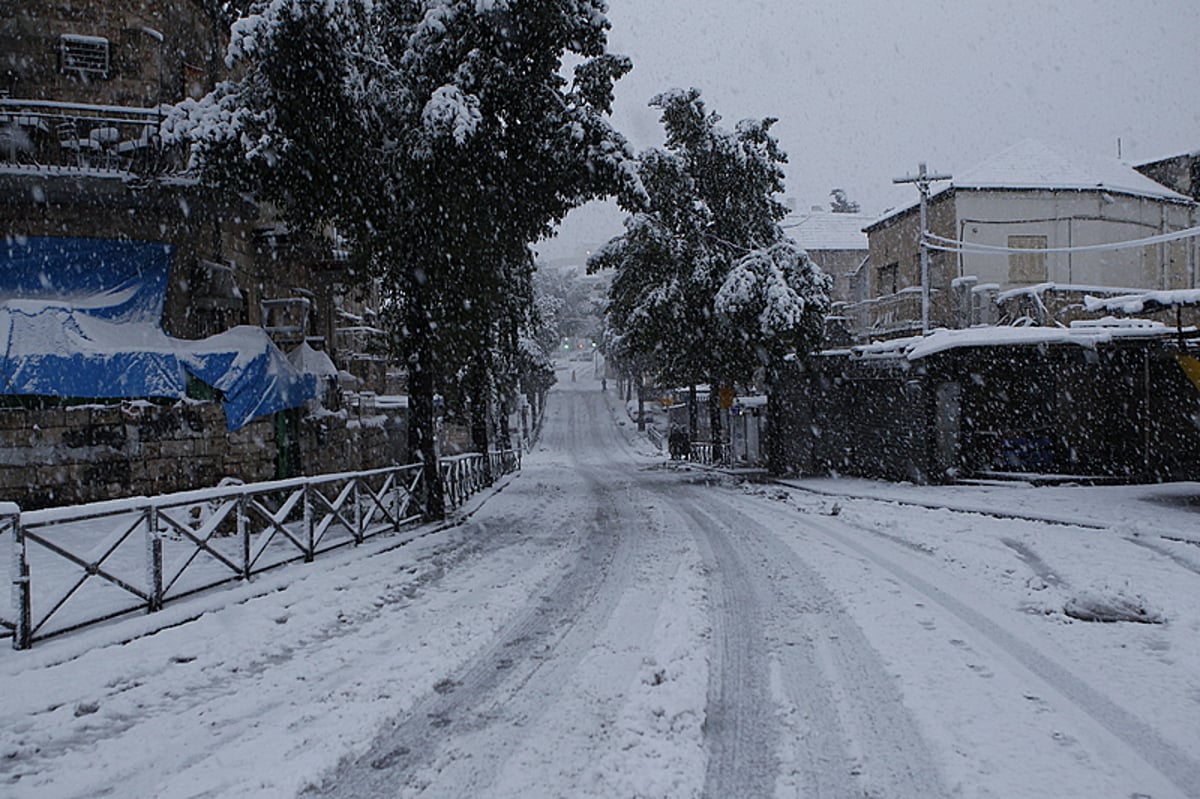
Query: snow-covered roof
(825,230)
(1086,335)
(1032,164)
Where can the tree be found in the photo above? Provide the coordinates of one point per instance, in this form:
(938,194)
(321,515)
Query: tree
(707,286)
(841,204)
(439,137)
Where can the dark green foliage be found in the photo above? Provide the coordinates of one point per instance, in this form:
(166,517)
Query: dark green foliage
(440,140)
(841,204)
(707,287)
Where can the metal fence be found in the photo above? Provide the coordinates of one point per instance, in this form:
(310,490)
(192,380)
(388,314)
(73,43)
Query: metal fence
(72,567)
(656,438)
(702,453)
(41,135)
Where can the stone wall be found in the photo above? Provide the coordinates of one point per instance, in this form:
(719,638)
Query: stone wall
(348,442)
(180,58)
(65,456)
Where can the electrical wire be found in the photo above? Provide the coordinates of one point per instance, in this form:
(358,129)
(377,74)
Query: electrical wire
(943,244)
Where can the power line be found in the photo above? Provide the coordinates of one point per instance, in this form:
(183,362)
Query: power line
(943,244)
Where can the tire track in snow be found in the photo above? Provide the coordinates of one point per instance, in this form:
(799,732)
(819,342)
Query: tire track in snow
(854,737)
(1173,764)
(739,728)
(458,737)
(506,685)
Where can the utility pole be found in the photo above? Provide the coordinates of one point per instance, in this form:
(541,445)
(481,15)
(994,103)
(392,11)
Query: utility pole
(922,180)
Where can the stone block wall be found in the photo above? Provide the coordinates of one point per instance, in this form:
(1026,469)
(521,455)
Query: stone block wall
(346,442)
(65,456)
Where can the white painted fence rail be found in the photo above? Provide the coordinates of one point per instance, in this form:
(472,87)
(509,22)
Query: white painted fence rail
(76,566)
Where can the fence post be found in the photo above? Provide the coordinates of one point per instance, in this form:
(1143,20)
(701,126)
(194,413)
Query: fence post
(421,490)
(397,499)
(22,589)
(309,527)
(358,514)
(154,559)
(243,523)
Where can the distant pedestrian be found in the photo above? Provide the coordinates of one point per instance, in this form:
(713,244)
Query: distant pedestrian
(678,442)
(603,384)
(572,375)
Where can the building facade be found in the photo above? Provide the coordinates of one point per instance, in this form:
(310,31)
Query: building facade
(83,169)
(1021,218)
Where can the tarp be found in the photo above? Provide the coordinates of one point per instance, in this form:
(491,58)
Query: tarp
(123,281)
(51,351)
(66,333)
(253,376)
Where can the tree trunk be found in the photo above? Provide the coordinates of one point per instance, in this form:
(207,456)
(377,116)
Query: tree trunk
(773,436)
(505,435)
(693,416)
(641,391)
(422,432)
(480,398)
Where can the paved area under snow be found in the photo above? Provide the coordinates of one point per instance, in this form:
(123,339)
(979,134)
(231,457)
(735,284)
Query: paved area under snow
(608,625)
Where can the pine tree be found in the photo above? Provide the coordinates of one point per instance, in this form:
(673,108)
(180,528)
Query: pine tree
(707,286)
(841,204)
(439,137)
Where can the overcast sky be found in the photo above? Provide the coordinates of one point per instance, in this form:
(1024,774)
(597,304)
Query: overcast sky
(865,89)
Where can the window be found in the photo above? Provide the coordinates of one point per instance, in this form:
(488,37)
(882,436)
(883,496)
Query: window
(84,55)
(889,279)
(194,81)
(1027,267)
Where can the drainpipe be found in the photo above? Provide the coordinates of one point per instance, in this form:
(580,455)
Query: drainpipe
(158,37)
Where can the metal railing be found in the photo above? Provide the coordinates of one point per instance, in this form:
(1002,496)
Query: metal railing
(656,438)
(886,315)
(72,567)
(43,135)
(702,453)
(464,475)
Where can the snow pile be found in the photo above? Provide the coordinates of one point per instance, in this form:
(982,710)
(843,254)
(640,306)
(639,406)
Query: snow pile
(313,362)
(1112,607)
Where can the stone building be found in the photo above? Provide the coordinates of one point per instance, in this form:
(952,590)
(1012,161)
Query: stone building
(83,170)
(836,243)
(1178,172)
(1027,198)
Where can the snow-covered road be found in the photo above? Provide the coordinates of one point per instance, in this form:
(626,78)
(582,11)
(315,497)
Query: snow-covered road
(610,626)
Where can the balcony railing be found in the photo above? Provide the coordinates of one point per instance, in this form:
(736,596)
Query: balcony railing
(41,135)
(889,315)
